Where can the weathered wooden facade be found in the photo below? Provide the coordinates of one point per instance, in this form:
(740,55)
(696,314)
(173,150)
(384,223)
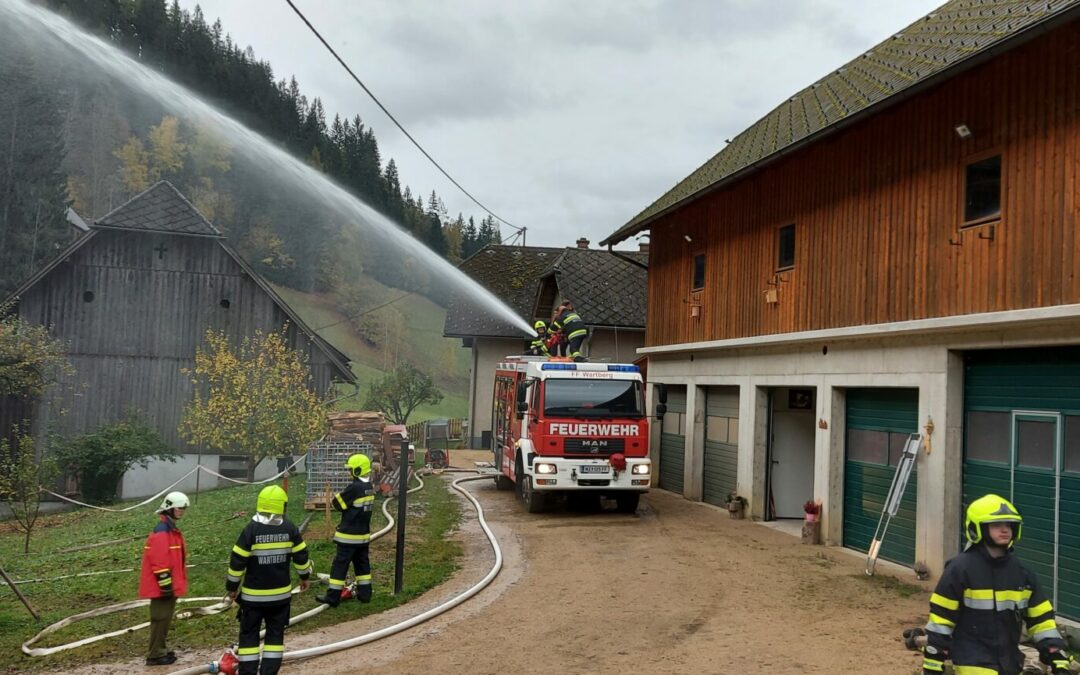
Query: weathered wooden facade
(861,264)
(133,299)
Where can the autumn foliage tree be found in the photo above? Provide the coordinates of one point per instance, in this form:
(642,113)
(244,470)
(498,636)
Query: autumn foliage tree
(22,472)
(255,400)
(30,359)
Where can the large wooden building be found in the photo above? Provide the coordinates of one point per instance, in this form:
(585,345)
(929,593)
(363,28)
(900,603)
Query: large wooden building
(892,250)
(133,299)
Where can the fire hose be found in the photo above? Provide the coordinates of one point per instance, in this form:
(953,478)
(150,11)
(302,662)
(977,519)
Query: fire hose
(227,663)
(219,605)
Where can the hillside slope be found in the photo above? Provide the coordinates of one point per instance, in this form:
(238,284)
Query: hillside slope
(422,344)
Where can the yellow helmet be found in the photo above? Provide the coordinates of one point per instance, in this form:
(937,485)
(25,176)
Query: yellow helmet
(540,325)
(991,509)
(358,465)
(272,499)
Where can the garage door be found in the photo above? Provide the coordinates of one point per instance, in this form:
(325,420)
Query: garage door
(721,443)
(878,424)
(673,441)
(1022,441)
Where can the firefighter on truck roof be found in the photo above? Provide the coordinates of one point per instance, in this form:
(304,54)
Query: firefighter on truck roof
(353,532)
(572,328)
(538,347)
(982,598)
(259,573)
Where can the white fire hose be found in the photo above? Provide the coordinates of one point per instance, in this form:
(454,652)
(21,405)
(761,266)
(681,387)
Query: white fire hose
(219,605)
(365,638)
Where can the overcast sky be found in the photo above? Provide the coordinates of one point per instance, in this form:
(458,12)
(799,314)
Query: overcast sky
(568,117)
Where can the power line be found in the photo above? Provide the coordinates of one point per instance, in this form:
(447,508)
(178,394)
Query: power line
(366,311)
(367,91)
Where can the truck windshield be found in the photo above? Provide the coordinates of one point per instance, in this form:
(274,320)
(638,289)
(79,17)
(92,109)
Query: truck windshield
(592,398)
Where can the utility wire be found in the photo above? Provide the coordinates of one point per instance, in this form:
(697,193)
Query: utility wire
(367,91)
(366,311)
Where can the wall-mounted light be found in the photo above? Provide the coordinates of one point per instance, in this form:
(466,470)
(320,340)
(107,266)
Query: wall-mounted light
(687,238)
(963,131)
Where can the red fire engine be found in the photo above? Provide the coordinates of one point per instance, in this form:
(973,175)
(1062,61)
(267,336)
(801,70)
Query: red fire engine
(562,427)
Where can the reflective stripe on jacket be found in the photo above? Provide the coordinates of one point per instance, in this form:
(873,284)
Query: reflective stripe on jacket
(570,325)
(977,608)
(261,561)
(163,560)
(355,503)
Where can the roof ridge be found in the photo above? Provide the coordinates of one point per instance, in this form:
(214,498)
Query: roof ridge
(130,209)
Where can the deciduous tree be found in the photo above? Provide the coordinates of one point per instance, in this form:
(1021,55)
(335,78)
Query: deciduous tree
(254,400)
(401,392)
(22,473)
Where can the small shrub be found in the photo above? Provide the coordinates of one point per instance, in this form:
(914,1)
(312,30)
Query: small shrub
(101,458)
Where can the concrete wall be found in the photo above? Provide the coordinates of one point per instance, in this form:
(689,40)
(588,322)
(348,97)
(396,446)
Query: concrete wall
(139,482)
(614,345)
(933,364)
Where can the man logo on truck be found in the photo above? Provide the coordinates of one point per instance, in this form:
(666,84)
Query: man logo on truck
(594,446)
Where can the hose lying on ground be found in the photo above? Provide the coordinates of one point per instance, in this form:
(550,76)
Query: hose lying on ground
(408,623)
(220,605)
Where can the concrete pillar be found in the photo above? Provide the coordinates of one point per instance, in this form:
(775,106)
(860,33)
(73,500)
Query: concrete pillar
(655,426)
(829,462)
(694,457)
(757,427)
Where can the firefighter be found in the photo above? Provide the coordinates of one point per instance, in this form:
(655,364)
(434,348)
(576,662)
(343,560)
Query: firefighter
(259,574)
(976,609)
(164,576)
(573,330)
(538,347)
(353,533)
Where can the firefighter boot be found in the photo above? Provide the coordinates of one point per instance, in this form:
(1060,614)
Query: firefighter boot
(332,597)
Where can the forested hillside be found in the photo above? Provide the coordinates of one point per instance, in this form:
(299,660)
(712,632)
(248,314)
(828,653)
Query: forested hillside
(70,139)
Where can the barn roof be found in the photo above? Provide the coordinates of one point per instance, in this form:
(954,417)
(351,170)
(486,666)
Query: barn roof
(958,35)
(607,288)
(512,274)
(159,208)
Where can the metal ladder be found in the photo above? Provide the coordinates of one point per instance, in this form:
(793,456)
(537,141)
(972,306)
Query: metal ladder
(895,496)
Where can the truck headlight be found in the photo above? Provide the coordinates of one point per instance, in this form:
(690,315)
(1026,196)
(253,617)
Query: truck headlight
(640,469)
(545,468)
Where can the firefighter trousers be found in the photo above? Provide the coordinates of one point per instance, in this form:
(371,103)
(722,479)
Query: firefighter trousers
(357,556)
(161,616)
(573,347)
(252,616)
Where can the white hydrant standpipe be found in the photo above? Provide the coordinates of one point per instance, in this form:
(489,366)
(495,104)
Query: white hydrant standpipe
(220,604)
(403,625)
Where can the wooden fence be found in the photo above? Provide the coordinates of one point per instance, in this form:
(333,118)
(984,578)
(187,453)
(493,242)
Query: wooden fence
(418,433)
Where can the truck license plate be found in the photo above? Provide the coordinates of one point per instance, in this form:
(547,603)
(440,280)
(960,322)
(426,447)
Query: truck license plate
(594,468)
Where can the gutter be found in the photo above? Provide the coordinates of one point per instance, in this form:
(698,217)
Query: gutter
(1025,35)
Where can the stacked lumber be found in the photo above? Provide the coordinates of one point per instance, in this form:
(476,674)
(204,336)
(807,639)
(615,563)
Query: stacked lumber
(356,426)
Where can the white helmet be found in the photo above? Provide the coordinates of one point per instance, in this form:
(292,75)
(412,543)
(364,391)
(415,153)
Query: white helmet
(174,500)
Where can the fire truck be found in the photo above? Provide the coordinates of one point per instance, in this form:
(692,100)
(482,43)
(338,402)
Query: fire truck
(563,428)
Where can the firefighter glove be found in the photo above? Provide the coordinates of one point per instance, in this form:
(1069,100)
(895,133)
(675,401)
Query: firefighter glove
(934,660)
(1058,660)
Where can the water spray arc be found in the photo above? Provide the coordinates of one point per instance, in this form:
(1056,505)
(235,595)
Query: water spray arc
(45,28)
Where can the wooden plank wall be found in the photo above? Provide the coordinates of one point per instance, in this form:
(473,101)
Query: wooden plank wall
(875,208)
(148,315)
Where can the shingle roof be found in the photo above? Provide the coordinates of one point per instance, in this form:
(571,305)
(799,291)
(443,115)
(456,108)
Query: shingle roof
(606,289)
(512,274)
(940,42)
(160,208)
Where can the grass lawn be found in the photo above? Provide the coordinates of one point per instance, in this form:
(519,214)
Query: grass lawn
(210,529)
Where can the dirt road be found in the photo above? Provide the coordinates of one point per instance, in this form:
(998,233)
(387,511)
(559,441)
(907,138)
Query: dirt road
(676,588)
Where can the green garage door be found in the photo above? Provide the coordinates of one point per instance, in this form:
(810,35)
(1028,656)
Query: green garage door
(1022,441)
(673,441)
(721,443)
(878,424)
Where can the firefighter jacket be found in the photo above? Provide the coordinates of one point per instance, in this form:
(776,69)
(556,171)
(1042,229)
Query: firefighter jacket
(976,610)
(538,347)
(355,503)
(569,324)
(260,560)
(164,555)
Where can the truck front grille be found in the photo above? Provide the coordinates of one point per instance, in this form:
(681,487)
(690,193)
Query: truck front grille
(593,447)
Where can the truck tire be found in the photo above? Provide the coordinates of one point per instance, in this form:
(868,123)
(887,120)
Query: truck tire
(627,502)
(534,501)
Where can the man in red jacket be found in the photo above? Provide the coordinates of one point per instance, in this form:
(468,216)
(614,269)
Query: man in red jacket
(164,576)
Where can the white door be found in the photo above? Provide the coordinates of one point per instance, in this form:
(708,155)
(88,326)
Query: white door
(792,462)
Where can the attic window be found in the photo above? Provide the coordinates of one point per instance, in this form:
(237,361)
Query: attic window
(785,253)
(699,272)
(88,296)
(982,190)
(225,304)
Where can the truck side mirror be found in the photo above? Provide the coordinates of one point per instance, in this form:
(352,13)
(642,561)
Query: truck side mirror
(522,404)
(522,408)
(661,392)
(661,408)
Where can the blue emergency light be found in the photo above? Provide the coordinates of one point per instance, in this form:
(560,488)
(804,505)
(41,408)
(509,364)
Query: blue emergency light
(623,369)
(558,366)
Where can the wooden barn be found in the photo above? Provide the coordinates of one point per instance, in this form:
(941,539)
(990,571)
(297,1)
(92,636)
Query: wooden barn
(894,249)
(133,298)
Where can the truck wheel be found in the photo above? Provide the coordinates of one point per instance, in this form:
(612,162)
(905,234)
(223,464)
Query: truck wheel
(534,501)
(627,502)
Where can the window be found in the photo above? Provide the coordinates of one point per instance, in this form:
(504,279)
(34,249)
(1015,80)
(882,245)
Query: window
(988,436)
(785,258)
(866,445)
(596,398)
(1071,452)
(1036,443)
(982,190)
(699,272)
